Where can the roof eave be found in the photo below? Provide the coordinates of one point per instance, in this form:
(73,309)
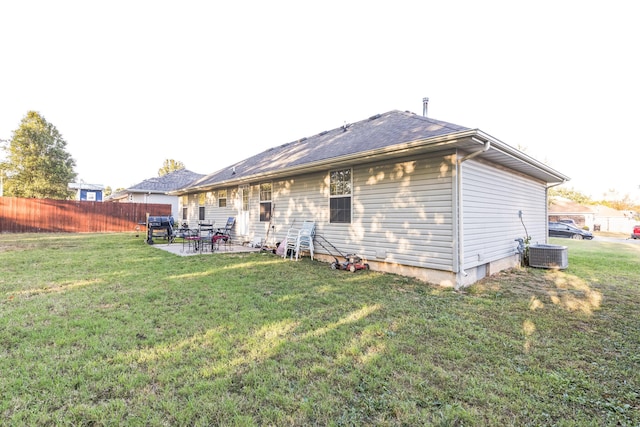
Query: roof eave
(141,190)
(397,150)
(552,175)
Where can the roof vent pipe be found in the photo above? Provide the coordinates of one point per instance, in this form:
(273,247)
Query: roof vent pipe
(425,104)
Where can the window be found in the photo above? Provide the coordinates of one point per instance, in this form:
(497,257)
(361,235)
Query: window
(185,214)
(222,198)
(340,196)
(265,202)
(201,213)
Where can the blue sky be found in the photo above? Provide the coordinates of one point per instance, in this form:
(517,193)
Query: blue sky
(132,83)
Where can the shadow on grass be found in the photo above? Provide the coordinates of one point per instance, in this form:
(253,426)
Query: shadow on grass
(573,293)
(567,291)
(255,347)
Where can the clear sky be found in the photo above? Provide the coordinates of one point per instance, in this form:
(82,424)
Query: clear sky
(132,83)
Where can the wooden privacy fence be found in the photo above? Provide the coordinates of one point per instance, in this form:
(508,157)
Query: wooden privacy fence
(19,215)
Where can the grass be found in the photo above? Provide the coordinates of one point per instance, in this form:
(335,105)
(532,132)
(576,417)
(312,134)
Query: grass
(105,330)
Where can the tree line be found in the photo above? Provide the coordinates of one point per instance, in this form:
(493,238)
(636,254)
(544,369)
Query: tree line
(623,204)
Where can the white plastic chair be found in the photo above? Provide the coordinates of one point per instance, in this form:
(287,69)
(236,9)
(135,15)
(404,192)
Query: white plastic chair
(290,242)
(305,238)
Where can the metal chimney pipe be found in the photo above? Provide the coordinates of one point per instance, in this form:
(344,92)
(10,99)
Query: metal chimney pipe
(425,103)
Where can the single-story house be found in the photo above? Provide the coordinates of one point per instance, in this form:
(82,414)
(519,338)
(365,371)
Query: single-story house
(412,195)
(157,189)
(87,192)
(594,217)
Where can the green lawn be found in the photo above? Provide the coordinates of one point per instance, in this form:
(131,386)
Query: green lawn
(106,330)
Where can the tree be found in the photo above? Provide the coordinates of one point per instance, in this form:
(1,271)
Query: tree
(624,204)
(169,166)
(37,164)
(571,194)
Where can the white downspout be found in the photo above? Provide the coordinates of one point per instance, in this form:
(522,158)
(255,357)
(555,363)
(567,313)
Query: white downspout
(546,207)
(487,145)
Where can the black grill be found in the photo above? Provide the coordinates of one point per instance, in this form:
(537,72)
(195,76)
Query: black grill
(160,227)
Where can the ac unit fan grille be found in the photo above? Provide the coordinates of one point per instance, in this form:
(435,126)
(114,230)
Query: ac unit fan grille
(548,256)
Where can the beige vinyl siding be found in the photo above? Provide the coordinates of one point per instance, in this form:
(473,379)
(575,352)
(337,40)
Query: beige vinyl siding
(401,212)
(294,200)
(304,197)
(492,198)
(213,214)
(192,211)
(405,211)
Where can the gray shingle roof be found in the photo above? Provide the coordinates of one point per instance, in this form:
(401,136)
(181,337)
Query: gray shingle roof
(379,131)
(169,182)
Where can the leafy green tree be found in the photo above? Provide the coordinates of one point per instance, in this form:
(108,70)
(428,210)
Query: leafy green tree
(169,166)
(37,163)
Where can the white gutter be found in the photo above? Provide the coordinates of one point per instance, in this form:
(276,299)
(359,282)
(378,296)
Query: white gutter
(487,145)
(514,153)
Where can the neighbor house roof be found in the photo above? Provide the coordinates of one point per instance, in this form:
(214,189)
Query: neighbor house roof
(561,205)
(162,184)
(388,135)
(168,182)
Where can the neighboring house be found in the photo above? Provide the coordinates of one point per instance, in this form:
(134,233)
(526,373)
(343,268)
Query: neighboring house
(155,190)
(88,192)
(594,217)
(413,195)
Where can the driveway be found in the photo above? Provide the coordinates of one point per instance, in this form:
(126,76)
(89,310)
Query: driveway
(616,239)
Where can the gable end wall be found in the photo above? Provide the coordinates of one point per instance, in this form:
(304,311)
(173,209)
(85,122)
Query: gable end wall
(492,199)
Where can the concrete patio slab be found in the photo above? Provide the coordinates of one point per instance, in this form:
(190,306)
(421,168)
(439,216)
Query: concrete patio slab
(177,248)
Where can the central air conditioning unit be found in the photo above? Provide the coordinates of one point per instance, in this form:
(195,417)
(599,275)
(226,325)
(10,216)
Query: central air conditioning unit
(548,256)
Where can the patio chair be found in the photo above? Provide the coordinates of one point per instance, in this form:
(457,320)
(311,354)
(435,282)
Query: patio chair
(205,231)
(290,242)
(223,234)
(190,240)
(305,238)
